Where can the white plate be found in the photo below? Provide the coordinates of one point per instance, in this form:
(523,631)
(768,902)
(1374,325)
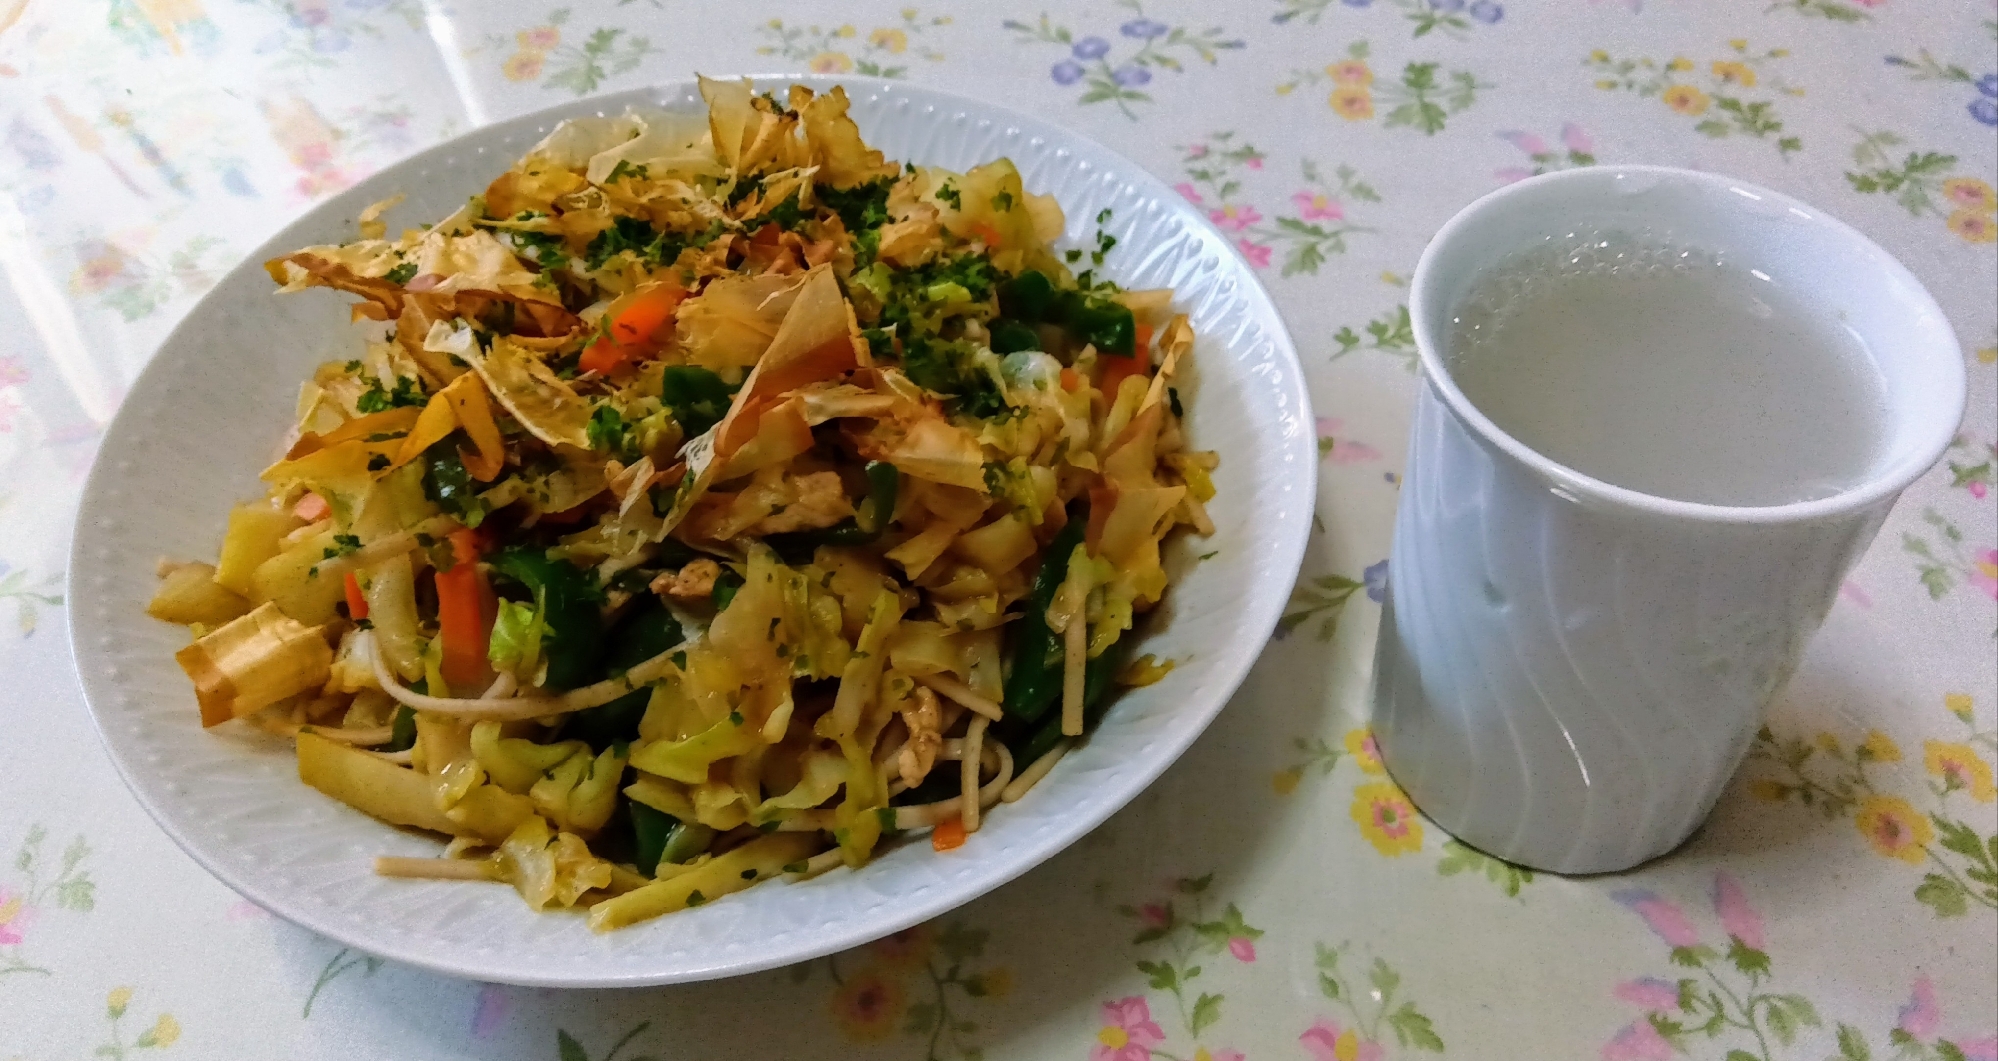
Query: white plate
(205,415)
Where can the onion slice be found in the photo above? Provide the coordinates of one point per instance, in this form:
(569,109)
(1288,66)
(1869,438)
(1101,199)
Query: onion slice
(501,709)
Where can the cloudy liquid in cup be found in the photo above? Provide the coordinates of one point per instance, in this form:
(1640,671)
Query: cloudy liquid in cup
(1668,370)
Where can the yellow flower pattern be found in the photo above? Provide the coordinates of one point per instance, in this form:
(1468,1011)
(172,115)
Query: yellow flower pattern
(1973,226)
(1736,96)
(1894,828)
(904,950)
(164,1031)
(1969,193)
(1841,779)
(523,66)
(917,982)
(1365,751)
(1353,72)
(868,1007)
(831,63)
(1918,181)
(1351,102)
(1734,73)
(844,50)
(1686,99)
(1422,96)
(1387,819)
(1959,767)
(1880,748)
(1773,791)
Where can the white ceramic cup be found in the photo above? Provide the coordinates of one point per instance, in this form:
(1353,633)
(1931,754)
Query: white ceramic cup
(1568,671)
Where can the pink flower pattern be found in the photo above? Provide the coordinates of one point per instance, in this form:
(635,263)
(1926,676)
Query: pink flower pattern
(1737,917)
(17,919)
(1340,450)
(1258,254)
(494,1005)
(1322,1040)
(1243,948)
(1191,193)
(1232,218)
(1317,206)
(1921,1017)
(1129,1033)
(1985,575)
(1651,993)
(1664,917)
(1638,1041)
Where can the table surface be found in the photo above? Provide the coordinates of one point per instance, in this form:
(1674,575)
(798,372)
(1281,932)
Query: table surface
(1261,900)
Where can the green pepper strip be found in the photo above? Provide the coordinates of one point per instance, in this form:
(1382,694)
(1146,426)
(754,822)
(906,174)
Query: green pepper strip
(402,730)
(575,642)
(687,840)
(1034,679)
(649,830)
(1026,297)
(649,630)
(659,837)
(1106,324)
(1095,684)
(1011,336)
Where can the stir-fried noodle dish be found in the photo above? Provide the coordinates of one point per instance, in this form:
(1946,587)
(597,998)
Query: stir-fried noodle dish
(712,502)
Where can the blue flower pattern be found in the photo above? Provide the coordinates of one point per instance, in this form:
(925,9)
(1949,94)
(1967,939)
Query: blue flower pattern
(1109,77)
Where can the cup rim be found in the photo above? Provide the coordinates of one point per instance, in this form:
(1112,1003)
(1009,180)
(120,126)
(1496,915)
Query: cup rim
(1884,483)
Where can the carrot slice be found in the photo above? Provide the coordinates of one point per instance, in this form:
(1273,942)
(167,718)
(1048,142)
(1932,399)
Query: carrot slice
(357,603)
(461,612)
(1113,370)
(948,836)
(312,508)
(635,321)
(1116,367)
(650,308)
(601,357)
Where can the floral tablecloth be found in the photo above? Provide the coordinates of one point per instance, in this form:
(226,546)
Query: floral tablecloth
(1274,896)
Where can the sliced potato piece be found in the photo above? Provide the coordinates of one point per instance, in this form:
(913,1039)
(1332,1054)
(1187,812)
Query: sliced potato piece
(189,594)
(254,536)
(303,581)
